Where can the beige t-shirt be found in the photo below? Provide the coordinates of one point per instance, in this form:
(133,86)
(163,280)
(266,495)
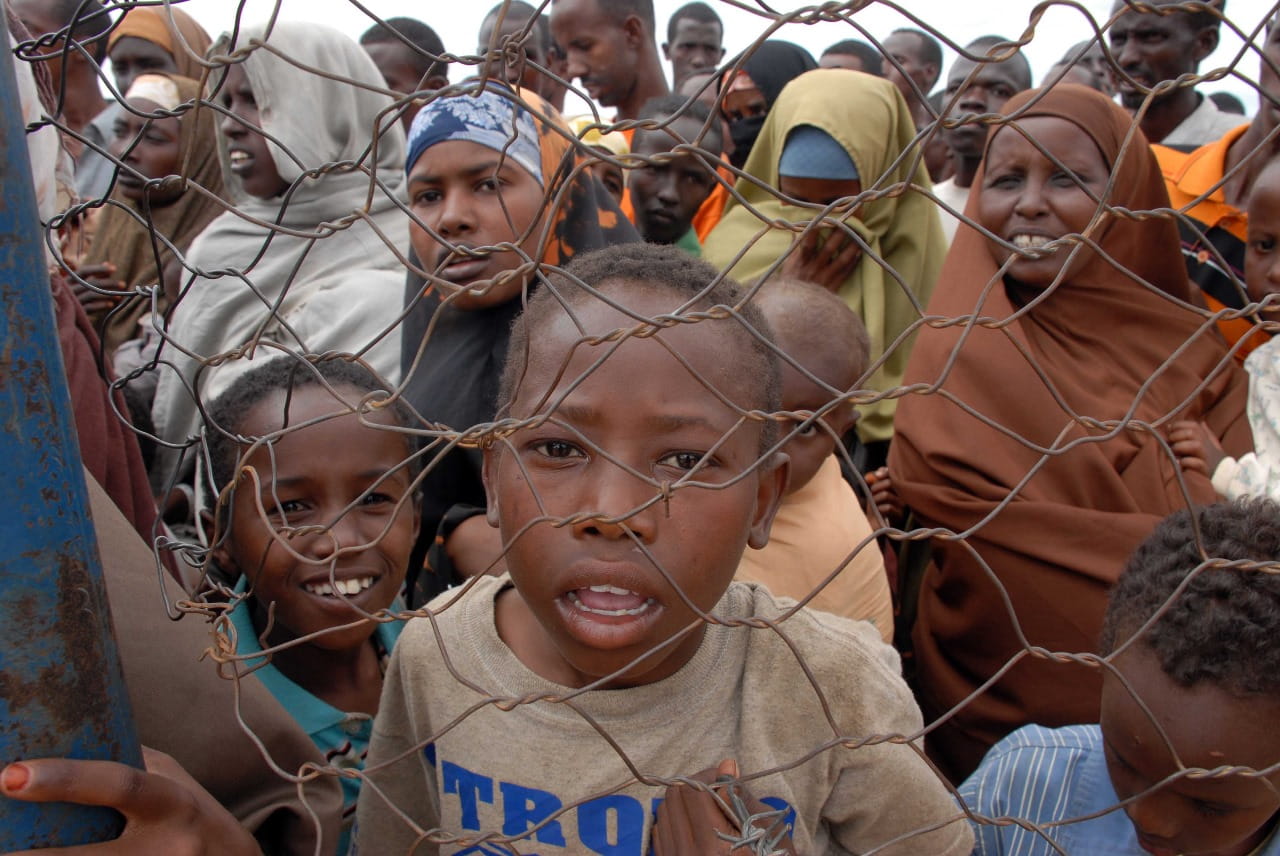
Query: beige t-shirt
(819,528)
(468,772)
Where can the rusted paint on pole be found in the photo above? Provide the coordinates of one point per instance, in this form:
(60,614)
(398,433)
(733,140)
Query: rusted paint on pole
(61,690)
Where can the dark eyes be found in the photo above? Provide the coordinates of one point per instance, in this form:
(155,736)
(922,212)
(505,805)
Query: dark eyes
(681,460)
(557,449)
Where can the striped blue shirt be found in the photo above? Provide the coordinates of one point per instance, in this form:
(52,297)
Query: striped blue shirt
(1049,777)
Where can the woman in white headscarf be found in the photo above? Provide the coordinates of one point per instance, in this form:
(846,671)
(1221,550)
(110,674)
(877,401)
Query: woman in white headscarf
(314,161)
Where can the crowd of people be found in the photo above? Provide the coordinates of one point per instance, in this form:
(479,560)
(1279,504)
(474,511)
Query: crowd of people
(798,456)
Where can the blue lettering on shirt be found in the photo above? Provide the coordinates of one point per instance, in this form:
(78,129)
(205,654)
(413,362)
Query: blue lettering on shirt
(611,825)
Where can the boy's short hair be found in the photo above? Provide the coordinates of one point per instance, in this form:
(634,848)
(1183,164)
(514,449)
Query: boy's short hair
(655,268)
(620,10)
(226,414)
(518,10)
(695,11)
(816,323)
(872,60)
(429,45)
(663,106)
(1219,625)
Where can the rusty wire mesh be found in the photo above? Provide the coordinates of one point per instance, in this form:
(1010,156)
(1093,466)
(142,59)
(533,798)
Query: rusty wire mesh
(271,331)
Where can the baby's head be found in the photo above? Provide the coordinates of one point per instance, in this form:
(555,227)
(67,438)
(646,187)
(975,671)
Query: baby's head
(819,331)
(640,467)
(317,507)
(1262,251)
(1206,665)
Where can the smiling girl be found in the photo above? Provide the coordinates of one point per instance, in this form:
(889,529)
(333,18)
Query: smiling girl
(316,519)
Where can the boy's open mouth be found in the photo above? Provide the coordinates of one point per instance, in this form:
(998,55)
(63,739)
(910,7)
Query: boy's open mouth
(609,601)
(339,588)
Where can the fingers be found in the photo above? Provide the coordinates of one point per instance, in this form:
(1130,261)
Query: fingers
(132,792)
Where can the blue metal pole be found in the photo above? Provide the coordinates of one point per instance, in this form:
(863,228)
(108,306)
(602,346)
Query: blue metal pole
(61,690)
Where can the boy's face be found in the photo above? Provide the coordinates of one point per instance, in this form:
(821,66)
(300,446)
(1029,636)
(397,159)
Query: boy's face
(306,482)
(468,197)
(1262,250)
(1207,728)
(667,193)
(566,493)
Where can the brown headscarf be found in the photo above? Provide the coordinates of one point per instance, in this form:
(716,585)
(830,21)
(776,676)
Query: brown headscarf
(170,28)
(124,241)
(1101,345)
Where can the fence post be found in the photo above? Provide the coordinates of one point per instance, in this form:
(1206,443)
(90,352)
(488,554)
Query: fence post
(61,689)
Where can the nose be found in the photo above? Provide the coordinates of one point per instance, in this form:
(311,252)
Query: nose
(344,533)
(612,502)
(575,68)
(973,100)
(232,127)
(666,189)
(1129,56)
(1152,818)
(1030,202)
(456,216)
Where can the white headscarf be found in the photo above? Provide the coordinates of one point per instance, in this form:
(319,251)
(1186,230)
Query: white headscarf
(336,287)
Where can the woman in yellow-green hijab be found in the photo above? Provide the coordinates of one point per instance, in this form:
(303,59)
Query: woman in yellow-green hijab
(888,274)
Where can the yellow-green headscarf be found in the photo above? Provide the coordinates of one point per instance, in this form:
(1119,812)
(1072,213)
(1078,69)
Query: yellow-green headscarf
(868,116)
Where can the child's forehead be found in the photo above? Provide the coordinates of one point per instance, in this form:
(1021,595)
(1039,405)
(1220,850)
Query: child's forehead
(571,345)
(1143,705)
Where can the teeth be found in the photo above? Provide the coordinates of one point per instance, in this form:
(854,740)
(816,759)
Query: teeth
(644,607)
(340,588)
(610,590)
(239,157)
(1027,242)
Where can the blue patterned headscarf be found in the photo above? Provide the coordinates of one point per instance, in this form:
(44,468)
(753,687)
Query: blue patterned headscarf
(489,118)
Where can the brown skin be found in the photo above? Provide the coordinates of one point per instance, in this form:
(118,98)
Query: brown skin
(883,495)
(697,47)
(515,65)
(165,810)
(825,255)
(912,75)
(298,526)
(615,61)
(132,56)
(984,90)
(1225,815)
(1150,48)
(150,148)
(690,817)
(399,66)
(79,74)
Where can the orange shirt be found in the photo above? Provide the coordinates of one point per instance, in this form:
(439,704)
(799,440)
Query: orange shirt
(1188,176)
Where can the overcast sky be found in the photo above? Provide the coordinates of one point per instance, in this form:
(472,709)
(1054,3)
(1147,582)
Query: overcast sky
(458,21)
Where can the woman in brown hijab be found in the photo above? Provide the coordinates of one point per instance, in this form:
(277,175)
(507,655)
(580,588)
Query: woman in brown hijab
(145,222)
(1035,431)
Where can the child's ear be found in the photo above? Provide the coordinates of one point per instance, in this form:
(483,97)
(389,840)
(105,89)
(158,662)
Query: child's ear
(774,475)
(488,475)
(219,555)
